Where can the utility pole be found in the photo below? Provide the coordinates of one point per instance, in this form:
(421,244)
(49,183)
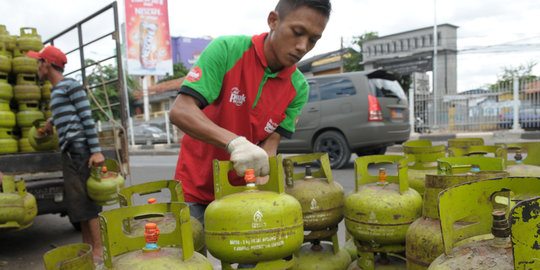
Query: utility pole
(435,41)
(341,56)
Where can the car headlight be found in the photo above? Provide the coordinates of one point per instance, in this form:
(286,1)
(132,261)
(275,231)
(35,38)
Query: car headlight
(155,135)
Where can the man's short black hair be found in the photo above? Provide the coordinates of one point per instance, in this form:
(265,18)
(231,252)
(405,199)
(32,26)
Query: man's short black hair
(285,6)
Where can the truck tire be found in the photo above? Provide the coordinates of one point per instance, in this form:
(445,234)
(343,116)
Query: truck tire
(333,143)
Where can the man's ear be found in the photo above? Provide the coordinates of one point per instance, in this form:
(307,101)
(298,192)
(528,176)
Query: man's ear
(273,20)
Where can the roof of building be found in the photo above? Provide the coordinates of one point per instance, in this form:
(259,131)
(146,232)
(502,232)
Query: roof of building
(160,88)
(306,65)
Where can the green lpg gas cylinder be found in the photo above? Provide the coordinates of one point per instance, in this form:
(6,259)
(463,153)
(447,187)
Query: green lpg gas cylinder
(165,223)
(26,88)
(8,146)
(425,161)
(6,90)
(459,165)
(379,213)
(46,90)
(41,140)
(21,63)
(30,205)
(253,224)
(104,183)
(464,142)
(321,255)
(25,146)
(499,151)
(6,39)
(5,60)
(72,256)
(474,228)
(7,117)
(24,132)
(524,220)
(524,166)
(29,105)
(12,210)
(25,119)
(154,250)
(321,198)
(6,133)
(424,238)
(29,40)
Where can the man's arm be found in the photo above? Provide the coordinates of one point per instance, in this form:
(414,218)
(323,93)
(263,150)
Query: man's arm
(269,145)
(187,115)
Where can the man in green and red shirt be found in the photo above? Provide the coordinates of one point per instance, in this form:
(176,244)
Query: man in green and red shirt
(242,95)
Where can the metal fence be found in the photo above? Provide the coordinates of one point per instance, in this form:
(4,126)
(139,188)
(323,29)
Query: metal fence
(480,109)
(173,134)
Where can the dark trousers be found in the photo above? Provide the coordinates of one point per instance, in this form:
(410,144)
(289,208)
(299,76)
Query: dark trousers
(76,172)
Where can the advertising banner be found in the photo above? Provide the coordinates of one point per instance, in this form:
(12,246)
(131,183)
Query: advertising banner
(148,38)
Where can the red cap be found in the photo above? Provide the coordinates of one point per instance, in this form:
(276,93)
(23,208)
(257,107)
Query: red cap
(50,54)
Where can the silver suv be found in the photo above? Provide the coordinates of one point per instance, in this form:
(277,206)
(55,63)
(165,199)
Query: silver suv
(360,112)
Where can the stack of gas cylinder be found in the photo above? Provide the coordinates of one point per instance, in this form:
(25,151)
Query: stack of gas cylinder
(470,193)
(7,118)
(21,91)
(322,201)
(468,160)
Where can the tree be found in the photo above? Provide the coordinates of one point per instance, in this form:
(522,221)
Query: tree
(179,71)
(522,72)
(353,58)
(96,78)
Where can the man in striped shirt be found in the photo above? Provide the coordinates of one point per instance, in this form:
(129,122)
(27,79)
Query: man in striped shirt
(72,117)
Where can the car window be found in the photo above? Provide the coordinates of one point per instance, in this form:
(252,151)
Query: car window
(386,88)
(313,92)
(331,88)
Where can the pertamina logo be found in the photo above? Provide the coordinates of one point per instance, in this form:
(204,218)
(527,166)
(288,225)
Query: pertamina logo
(270,126)
(237,98)
(194,74)
(258,222)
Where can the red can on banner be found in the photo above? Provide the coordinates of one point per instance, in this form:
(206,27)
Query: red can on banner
(148,38)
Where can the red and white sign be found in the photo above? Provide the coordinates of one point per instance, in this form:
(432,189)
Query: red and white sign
(148,38)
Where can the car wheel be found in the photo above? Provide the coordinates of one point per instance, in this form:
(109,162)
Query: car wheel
(333,143)
(373,151)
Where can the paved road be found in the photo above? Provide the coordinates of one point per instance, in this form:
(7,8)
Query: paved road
(23,250)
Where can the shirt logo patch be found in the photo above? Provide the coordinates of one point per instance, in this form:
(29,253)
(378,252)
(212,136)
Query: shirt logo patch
(237,98)
(270,126)
(194,74)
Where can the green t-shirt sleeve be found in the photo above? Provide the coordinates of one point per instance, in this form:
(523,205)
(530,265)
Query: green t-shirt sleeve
(214,62)
(295,107)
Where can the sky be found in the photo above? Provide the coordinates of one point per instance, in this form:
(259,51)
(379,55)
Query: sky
(492,34)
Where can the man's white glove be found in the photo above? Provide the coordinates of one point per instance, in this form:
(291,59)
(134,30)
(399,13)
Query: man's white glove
(246,155)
